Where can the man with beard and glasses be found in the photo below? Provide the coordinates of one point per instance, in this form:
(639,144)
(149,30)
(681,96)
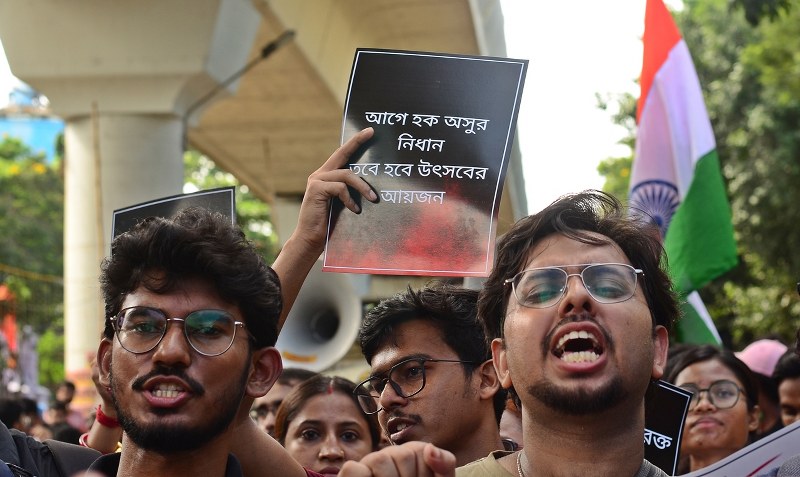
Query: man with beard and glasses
(192,319)
(578,309)
(193,313)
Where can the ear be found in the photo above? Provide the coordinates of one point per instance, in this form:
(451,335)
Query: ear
(265,368)
(661,348)
(490,383)
(754,418)
(500,361)
(104,362)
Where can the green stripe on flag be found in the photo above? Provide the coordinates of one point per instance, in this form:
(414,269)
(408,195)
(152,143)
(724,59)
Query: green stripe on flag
(699,241)
(695,325)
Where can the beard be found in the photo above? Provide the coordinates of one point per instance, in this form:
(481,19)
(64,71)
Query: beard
(580,401)
(165,438)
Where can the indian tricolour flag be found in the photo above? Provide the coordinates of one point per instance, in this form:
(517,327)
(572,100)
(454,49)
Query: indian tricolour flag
(676,176)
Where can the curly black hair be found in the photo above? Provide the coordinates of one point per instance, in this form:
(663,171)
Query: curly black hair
(159,253)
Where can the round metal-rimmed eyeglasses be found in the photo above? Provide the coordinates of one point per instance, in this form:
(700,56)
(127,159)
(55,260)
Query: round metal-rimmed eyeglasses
(406,378)
(543,287)
(140,329)
(722,394)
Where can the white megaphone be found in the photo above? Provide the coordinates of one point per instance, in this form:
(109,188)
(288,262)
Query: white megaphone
(323,323)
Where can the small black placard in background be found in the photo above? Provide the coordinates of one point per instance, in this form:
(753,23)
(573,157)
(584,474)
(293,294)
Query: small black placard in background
(220,200)
(665,411)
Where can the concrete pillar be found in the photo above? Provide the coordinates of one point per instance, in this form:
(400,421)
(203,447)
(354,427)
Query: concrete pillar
(122,75)
(112,160)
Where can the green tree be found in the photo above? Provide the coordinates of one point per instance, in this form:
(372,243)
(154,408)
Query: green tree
(617,170)
(31,221)
(750,74)
(750,79)
(51,358)
(252,214)
(31,247)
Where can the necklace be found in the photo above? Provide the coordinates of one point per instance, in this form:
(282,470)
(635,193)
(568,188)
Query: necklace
(519,464)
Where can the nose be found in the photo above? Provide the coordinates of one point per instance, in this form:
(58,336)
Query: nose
(330,449)
(576,297)
(390,398)
(174,348)
(703,402)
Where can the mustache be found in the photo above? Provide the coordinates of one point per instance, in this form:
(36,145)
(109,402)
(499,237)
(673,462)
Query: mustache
(196,388)
(395,413)
(574,318)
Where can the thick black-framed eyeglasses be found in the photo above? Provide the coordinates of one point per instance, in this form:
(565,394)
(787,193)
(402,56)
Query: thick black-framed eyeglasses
(406,378)
(140,329)
(543,287)
(722,394)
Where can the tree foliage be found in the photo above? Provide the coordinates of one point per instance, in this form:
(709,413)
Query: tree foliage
(252,214)
(31,221)
(31,243)
(750,74)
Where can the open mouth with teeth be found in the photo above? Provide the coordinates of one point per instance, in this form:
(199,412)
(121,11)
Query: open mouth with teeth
(578,347)
(166,390)
(399,427)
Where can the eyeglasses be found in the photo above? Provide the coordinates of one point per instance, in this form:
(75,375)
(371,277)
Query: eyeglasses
(141,328)
(543,287)
(406,378)
(722,394)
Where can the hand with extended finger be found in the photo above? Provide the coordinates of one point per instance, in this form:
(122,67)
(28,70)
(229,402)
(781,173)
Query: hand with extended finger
(327,182)
(304,247)
(412,459)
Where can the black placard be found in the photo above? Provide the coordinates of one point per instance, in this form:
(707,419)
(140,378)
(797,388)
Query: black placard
(444,125)
(220,200)
(665,412)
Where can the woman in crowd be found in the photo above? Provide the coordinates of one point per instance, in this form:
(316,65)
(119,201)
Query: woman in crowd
(723,411)
(321,425)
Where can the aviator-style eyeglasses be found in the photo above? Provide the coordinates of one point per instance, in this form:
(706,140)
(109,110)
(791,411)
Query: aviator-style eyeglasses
(406,378)
(543,287)
(722,394)
(140,329)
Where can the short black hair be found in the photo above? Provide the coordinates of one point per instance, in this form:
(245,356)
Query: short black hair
(200,244)
(10,411)
(577,216)
(451,308)
(788,367)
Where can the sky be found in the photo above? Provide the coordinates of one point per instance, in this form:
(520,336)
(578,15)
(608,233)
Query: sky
(576,50)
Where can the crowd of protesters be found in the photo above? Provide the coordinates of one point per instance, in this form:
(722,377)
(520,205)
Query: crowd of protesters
(567,334)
